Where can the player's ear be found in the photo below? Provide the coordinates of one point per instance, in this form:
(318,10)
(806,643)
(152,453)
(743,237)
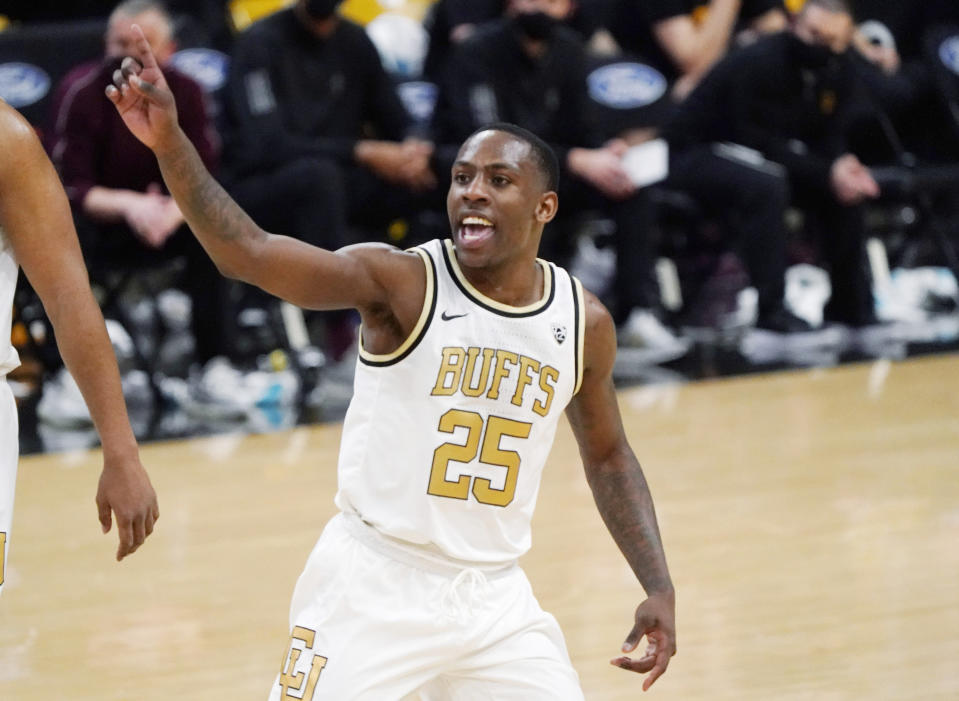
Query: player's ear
(547,207)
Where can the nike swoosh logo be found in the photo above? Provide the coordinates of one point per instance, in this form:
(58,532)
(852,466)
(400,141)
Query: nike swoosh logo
(447,317)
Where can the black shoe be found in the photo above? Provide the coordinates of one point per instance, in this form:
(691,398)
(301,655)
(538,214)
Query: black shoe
(783,321)
(780,335)
(852,316)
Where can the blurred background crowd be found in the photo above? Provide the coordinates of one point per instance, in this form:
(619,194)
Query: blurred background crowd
(746,183)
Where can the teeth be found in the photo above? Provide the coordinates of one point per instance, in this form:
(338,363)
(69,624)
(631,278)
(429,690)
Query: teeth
(479,221)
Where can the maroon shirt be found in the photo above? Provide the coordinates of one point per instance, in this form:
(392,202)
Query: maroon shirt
(91,145)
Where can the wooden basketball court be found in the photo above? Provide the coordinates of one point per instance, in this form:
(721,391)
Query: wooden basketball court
(811,521)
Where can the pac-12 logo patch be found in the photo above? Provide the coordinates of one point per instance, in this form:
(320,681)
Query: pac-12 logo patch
(949,53)
(559,332)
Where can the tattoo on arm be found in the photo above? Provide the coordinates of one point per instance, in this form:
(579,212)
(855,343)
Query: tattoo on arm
(624,501)
(210,211)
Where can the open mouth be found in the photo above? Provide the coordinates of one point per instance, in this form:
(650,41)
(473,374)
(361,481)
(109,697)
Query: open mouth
(475,230)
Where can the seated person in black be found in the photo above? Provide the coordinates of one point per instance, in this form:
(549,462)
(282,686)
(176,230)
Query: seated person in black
(528,69)
(319,145)
(682,39)
(788,98)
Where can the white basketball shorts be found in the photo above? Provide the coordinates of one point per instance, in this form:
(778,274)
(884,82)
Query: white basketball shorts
(9,450)
(372,620)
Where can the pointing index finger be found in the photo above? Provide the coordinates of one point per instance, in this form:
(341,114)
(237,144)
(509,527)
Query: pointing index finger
(144,52)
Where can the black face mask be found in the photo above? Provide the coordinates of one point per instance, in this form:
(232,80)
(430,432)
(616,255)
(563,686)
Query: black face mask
(812,56)
(537,26)
(321,9)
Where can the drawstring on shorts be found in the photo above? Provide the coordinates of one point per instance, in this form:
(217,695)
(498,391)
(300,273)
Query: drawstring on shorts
(454,604)
(467,581)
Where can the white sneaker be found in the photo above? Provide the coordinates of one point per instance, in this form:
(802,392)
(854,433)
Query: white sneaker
(222,392)
(644,339)
(934,328)
(278,388)
(62,404)
(217,392)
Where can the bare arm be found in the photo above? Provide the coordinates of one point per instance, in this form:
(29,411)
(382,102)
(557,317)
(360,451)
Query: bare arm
(622,496)
(35,215)
(107,204)
(694,48)
(358,276)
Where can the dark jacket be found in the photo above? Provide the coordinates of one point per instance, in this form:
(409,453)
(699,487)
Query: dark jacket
(292,94)
(490,79)
(91,145)
(766,98)
(632,22)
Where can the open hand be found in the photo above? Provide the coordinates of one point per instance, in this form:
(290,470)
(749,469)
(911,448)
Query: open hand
(142,96)
(603,169)
(851,181)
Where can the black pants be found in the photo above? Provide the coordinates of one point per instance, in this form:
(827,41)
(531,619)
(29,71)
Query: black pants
(326,203)
(752,200)
(634,284)
(303,199)
(840,232)
(114,248)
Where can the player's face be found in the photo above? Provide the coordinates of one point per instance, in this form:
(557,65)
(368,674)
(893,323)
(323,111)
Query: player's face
(497,203)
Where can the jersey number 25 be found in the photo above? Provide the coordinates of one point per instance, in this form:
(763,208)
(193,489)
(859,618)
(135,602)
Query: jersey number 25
(490,453)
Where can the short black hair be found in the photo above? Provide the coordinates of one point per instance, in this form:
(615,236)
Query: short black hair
(841,6)
(543,154)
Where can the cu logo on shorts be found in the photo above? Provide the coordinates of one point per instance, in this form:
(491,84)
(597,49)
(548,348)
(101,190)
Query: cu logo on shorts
(300,681)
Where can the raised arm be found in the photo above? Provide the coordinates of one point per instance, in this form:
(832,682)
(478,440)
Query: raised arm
(363,277)
(35,215)
(622,497)
(694,47)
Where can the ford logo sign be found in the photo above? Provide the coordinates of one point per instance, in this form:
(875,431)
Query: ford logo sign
(419,98)
(206,66)
(23,84)
(626,86)
(949,53)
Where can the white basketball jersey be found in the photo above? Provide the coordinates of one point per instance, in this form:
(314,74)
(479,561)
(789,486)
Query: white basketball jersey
(445,440)
(8,285)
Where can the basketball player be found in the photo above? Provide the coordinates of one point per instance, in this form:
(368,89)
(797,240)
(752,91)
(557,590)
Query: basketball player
(36,231)
(470,349)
